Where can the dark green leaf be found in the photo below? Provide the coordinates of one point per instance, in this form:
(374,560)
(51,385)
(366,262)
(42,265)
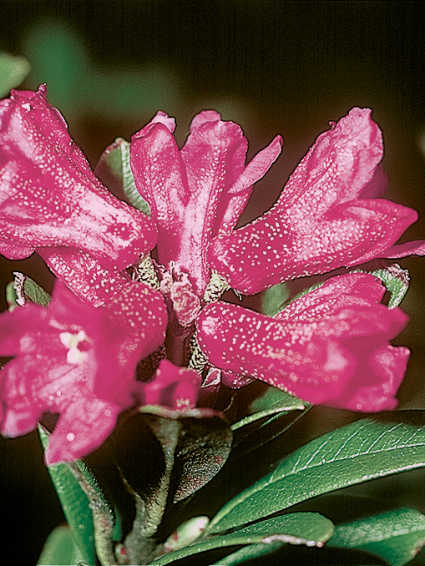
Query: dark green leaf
(358,452)
(115,172)
(13,71)
(271,401)
(75,504)
(309,529)
(59,549)
(274,298)
(89,514)
(395,536)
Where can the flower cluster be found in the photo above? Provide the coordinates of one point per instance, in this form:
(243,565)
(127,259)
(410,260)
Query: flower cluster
(81,357)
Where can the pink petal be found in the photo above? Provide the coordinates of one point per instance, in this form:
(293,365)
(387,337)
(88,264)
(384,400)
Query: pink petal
(268,251)
(50,197)
(73,436)
(160,178)
(284,355)
(172,386)
(319,222)
(233,203)
(324,349)
(350,290)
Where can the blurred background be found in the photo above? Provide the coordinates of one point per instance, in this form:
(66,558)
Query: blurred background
(273,66)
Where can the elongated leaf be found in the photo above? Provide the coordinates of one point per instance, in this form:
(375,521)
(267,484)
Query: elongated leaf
(115,171)
(59,549)
(249,552)
(358,452)
(395,536)
(396,281)
(75,504)
(13,70)
(274,298)
(271,401)
(89,514)
(310,529)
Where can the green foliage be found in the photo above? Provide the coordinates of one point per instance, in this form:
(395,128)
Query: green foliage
(395,536)
(250,552)
(59,549)
(23,289)
(396,281)
(310,529)
(274,298)
(269,402)
(75,504)
(115,172)
(13,71)
(361,451)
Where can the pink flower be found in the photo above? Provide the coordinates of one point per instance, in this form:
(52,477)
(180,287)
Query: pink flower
(79,362)
(50,197)
(198,191)
(330,346)
(324,218)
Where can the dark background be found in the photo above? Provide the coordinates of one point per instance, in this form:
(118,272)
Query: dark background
(273,66)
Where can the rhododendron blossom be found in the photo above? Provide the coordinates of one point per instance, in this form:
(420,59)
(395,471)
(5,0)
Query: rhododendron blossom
(165,314)
(49,195)
(61,353)
(329,346)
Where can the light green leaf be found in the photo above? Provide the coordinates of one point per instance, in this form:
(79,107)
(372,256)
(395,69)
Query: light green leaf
(310,529)
(59,549)
(13,71)
(115,172)
(75,504)
(361,451)
(250,552)
(274,298)
(395,536)
(396,281)
(11,296)
(271,401)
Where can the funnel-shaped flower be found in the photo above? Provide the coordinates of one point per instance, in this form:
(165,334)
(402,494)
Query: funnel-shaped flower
(50,197)
(79,362)
(330,346)
(324,218)
(196,192)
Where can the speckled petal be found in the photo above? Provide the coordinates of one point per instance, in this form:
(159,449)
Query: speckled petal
(139,312)
(322,350)
(73,435)
(319,222)
(285,355)
(234,201)
(350,290)
(172,386)
(160,177)
(50,197)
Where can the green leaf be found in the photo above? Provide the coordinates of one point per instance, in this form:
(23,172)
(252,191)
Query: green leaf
(23,289)
(395,536)
(75,504)
(310,529)
(274,298)
(11,296)
(396,281)
(250,552)
(13,71)
(115,172)
(270,401)
(173,454)
(59,549)
(88,512)
(361,451)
